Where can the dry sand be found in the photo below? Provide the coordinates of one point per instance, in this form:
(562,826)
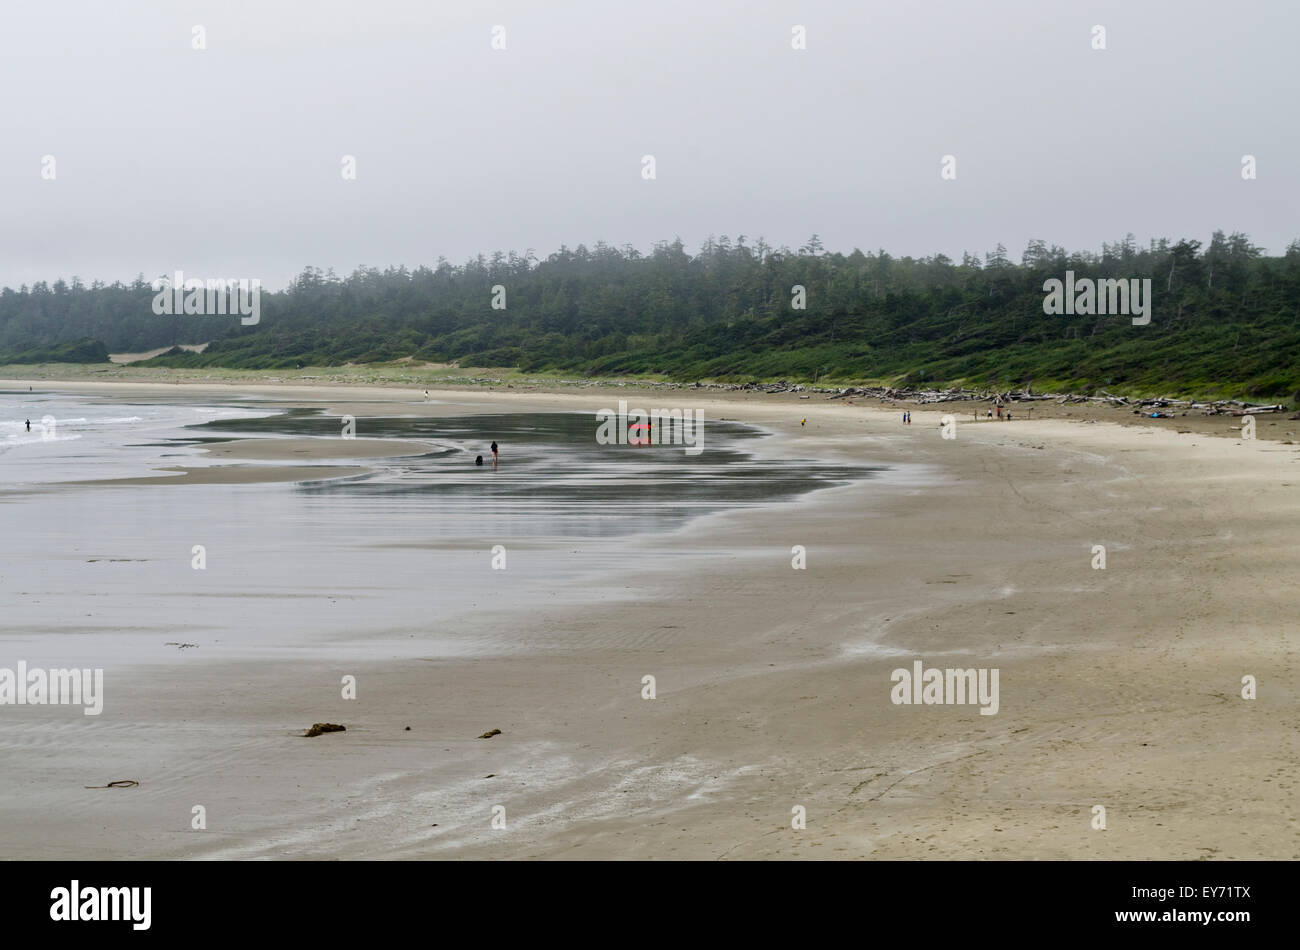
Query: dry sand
(1118,687)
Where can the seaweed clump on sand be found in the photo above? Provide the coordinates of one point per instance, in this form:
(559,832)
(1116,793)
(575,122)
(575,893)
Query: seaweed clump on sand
(322,727)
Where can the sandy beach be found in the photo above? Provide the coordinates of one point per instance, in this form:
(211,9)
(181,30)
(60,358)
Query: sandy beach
(1119,687)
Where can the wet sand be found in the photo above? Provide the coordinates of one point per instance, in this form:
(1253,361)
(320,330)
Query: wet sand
(1118,687)
(274,449)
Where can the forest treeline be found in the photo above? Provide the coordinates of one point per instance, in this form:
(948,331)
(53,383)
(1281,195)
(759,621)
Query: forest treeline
(1225,317)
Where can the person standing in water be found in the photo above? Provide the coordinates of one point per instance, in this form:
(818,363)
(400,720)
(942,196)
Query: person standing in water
(494,456)
(29,425)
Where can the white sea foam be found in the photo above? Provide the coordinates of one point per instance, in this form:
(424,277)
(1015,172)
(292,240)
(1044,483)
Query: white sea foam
(75,437)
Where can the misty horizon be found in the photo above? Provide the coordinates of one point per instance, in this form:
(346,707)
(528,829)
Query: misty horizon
(723,240)
(227,159)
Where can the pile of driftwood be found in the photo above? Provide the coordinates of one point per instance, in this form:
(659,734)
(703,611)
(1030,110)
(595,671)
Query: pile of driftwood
(1219,407)
(924,396)
(956,394)
(920,397)
(1230,407)
(781,386)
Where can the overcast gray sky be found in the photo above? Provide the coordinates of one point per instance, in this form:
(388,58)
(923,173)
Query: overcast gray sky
(226,161)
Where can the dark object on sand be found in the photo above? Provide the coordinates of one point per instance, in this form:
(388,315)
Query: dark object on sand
(479,460)
(323,727)
(489,735)
(408,728)
(120,783)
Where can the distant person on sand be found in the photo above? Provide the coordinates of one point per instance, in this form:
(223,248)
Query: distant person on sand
(1008,415)
(801,422)
(494,456)
(29,425)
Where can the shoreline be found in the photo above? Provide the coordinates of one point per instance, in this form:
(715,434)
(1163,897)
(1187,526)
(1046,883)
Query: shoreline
(1118,686)
(1272,427)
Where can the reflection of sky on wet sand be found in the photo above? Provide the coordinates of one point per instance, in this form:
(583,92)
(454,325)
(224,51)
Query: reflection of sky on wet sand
(555,478)
(396,562)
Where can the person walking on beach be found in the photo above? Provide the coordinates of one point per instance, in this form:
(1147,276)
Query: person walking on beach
(494,456)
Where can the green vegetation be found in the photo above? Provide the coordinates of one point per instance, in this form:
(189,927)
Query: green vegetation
(1225,318)
(76,351)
